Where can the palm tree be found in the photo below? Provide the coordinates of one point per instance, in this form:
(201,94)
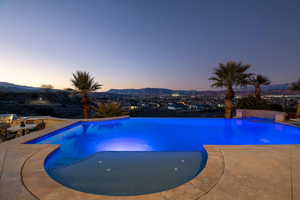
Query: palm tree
(258,81)
(296,86)
(108,110)
(84,83)
(230,75)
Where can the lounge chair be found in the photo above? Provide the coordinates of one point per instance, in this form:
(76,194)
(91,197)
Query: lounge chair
(295,120)
(40,124)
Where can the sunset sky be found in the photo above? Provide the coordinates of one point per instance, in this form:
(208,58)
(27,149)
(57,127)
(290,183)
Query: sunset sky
(146,43)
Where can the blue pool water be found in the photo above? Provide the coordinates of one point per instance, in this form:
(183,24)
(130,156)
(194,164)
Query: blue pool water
(145,155)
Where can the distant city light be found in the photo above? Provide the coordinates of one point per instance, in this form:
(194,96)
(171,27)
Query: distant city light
(133,107)
(175,95)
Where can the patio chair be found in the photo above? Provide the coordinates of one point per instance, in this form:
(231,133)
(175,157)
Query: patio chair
(41,125)
(4,134)
(7,118)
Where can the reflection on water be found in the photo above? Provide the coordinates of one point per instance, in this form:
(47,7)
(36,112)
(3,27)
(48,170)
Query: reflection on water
(108,126)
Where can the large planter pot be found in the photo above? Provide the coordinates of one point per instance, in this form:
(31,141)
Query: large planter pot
(275,115)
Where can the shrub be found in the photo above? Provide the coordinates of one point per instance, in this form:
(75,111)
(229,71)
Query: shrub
(251,102)
(108,110)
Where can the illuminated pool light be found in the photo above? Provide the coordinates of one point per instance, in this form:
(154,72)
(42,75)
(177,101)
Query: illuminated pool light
(123,144)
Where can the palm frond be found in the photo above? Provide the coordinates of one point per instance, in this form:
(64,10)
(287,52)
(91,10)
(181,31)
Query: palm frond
(259,79)
(83,82)
(230,74)
(296,85)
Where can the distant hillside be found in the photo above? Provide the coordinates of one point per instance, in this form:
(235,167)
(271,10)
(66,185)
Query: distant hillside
(161,92)
(164,91)
(284,86)
(266,88)
(10,87)
(151,91)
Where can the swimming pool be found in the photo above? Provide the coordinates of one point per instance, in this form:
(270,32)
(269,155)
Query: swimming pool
(145,155)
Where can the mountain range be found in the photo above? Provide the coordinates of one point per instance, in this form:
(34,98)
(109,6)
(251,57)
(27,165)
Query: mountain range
(163,91)
(10,87)
(150,91)
(14,88)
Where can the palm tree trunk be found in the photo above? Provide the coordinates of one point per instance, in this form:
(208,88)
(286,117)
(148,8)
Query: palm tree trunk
(228,102)
(257,92)
(298,109)
(85,106)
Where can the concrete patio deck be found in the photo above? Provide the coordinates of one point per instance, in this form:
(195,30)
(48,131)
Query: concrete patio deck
(269,172)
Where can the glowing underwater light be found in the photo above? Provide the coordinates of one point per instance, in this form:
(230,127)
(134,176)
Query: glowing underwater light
(123,144)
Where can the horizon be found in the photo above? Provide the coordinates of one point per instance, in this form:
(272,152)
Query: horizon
(137,44)
(141,88)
